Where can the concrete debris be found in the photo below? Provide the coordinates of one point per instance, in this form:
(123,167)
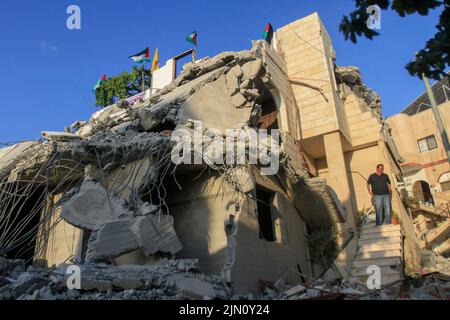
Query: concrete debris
(295,290)
(111,239)
(238,100)
(433,286)
(123,104)
(93,205)
(349,75)
(155,233)
(226,91)
(428,259)
(106,147)
(168,280)
(194,288)
(432,262)
(10,156)
(429,286)
(59,136)
(77,125)
(252,69)
(350,82)
(151,233)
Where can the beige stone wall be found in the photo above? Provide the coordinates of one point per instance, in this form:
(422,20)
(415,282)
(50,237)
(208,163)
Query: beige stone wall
(288,117)
(64,240)
(406,130)
(362,163)
(364,127)
(308,55)
(427,166)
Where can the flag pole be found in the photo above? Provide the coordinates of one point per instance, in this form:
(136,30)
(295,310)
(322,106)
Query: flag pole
(195,51)
(143,76)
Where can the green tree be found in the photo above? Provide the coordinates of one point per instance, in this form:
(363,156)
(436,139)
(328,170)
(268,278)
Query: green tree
(123,86)
(434,58)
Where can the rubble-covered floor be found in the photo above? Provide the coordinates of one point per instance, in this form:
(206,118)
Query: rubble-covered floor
(180,279)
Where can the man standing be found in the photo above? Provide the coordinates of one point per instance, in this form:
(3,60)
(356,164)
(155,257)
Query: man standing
(379,187)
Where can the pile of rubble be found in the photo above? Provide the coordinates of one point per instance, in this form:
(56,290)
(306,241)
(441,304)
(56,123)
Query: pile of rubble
(170,279)
(313,290)
(180,279)
(350,81)
(434,286)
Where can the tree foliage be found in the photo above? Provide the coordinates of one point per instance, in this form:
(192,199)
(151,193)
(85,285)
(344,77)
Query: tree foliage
(434,58)
(123,86)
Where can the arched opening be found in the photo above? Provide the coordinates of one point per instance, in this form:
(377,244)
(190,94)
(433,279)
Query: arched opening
(444,181)
(422,192)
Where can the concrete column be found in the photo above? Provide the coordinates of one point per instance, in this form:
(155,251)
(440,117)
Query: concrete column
(340,182)
(337,170)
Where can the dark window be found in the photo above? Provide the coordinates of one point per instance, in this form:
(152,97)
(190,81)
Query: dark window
(264,205)
(427,144)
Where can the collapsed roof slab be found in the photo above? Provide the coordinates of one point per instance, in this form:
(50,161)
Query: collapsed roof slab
(93,205)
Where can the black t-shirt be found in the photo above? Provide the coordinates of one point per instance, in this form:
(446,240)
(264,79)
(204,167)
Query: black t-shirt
(379,184)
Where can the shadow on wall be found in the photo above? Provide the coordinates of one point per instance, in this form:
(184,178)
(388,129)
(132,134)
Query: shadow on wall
(321,221)
(199,218)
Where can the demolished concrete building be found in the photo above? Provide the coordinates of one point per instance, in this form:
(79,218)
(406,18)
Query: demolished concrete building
(117,195)
(110,192)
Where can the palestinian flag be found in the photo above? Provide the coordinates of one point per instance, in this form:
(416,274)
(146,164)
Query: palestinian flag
(141,57)
(99,82)
(268,33)
(192,38)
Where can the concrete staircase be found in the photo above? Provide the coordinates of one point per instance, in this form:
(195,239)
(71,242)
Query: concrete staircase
(381,246)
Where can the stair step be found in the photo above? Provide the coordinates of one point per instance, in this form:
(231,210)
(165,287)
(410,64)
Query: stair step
(381,234)
(385,280)
(372,224)
(379,254)
(387,227)
(384,271)
(380,247)
(381,262)
(381,240)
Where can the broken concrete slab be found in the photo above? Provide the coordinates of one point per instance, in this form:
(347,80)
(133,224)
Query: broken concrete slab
(93,205)
(111,240)
(238,100)
(212,107)
(103,114)
(9,156)
(123,127)
(155,233)
(78,124)
(252,69)
(86,131)
(232,83)
(237,71)
(294,290)
(195,288)
(59,136)
(349,74)
(89,284)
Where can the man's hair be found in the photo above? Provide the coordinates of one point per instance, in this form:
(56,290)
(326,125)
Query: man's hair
(380,165)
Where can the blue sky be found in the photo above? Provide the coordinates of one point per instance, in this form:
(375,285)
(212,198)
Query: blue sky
(48,71)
